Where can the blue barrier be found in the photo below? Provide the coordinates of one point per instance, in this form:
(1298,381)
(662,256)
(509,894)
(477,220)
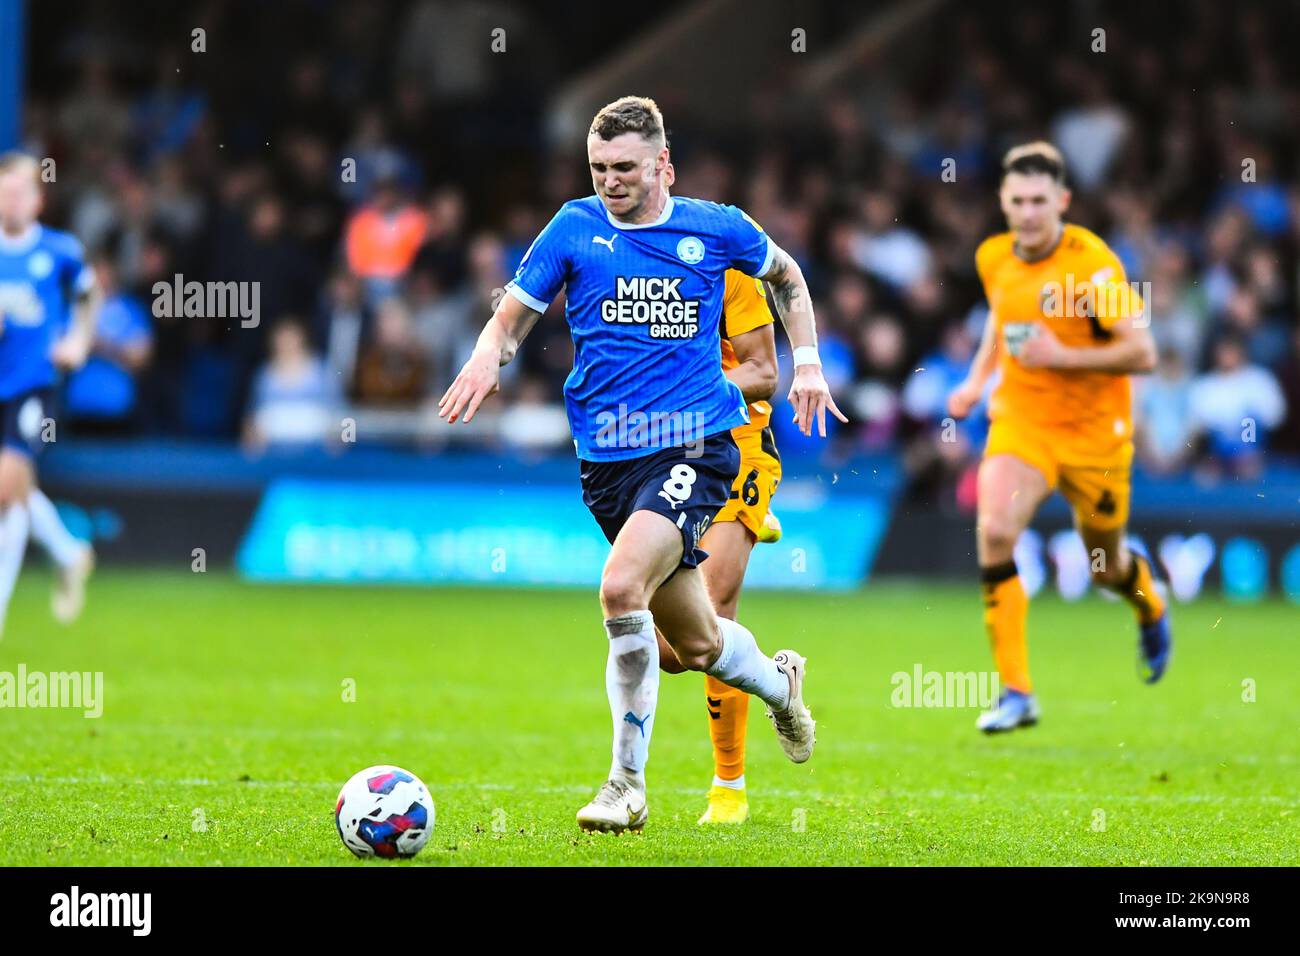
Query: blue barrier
(456,532)
(155,464)
(370,513)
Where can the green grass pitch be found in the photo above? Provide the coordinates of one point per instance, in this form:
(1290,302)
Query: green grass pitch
(225,736)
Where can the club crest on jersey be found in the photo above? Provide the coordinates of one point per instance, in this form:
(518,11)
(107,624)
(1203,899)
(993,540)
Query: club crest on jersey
(40,264)
(690,250)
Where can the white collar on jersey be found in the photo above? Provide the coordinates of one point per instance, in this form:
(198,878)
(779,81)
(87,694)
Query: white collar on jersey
(663,218)
(25,240)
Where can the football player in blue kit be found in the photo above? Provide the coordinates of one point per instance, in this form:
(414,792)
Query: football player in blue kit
(651,414)
(43,279)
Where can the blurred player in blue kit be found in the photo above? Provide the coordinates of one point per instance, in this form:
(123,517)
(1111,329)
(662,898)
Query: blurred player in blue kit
(44,280)
(651,413)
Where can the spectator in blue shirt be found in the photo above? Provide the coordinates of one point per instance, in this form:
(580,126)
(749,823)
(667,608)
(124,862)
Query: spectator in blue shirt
(296,401)
(1235,405)
(1165,433)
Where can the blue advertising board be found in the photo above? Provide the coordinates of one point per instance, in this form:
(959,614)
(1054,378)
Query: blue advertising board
(451,532)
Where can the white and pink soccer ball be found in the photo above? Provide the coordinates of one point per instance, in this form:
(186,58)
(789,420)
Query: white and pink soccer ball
(384,811)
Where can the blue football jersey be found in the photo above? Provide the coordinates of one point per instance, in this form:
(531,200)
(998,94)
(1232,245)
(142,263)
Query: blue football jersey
(643,303)
(41,272)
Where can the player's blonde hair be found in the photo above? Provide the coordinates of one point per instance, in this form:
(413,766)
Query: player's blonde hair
(630,114)
(15,160)
(1039,156)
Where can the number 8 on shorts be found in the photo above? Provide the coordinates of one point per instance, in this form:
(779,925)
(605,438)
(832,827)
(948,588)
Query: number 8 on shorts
(678,486)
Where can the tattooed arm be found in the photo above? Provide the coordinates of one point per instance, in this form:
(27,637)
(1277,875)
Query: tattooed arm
(809,394)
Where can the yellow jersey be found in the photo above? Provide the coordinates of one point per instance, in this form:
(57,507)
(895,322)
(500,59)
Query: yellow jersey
(1079,292)
(744,308)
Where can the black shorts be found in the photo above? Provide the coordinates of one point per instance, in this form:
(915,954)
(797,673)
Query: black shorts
(687,485)
(25,421)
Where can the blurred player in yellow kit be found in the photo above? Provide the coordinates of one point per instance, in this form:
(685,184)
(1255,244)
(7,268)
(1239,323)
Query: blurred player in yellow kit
(1065,330)
(749,359)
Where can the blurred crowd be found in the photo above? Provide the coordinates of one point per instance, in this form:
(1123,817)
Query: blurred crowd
(389,179)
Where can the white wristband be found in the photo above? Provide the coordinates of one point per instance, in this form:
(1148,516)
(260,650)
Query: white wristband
(807,355)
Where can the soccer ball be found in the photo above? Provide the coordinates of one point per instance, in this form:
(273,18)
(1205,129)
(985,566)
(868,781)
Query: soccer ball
(384,811)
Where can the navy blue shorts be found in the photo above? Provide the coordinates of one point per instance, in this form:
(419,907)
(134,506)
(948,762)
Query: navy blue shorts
(688,486)
(23,421)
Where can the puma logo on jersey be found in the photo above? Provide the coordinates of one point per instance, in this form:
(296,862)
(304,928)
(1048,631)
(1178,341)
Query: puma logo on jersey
(606,242)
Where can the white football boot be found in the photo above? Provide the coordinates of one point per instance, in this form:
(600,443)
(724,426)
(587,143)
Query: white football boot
(617,806)
(68,596)
(796,730)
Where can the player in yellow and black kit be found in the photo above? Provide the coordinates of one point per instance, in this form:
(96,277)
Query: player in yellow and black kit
(1065,331)
(749,359)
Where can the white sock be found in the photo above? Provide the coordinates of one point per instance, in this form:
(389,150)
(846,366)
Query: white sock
(632,684)
(13,544)
(48,531)
(741,664)
(737,784)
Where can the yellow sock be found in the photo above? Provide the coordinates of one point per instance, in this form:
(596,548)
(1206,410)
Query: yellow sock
(1005,609)
(728,717)
(1140,590)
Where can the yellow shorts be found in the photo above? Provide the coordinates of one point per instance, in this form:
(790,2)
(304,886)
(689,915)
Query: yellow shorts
(752,491)
(1098,491)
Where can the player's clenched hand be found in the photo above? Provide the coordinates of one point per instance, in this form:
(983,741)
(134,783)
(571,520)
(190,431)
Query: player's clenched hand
(1042,350)
(963,398)
(811,396)
(478,379)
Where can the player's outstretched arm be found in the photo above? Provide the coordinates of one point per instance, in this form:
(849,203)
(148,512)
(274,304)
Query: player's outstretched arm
(497,345)
(967,395)
(809,394)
